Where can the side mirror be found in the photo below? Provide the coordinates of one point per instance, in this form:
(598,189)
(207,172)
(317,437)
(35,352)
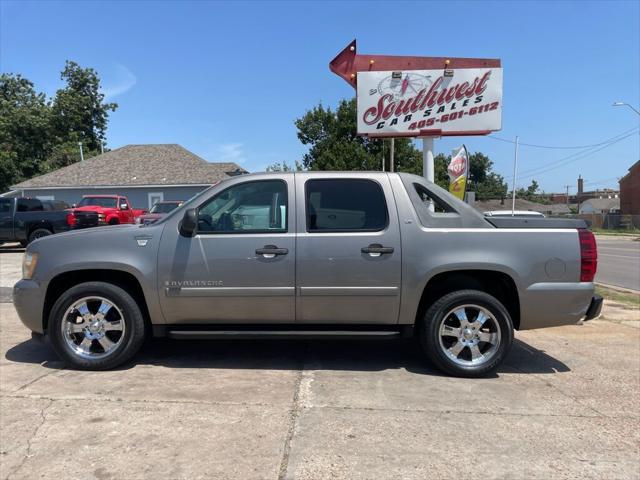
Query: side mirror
(189,222)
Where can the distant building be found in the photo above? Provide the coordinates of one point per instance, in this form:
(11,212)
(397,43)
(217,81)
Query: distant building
(600,205)
(145,174)
(630,191)
(582,195)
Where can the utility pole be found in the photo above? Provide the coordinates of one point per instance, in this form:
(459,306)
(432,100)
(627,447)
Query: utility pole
(101,147)
(391,154)
(567,194)
(81,155)
(515,171)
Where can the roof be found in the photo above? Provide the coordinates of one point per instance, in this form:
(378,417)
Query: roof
(523,205)
(137,165)
(604,204)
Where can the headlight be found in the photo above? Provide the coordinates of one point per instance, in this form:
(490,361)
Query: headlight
(29,262)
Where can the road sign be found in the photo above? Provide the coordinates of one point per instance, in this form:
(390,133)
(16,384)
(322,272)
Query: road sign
(420,103)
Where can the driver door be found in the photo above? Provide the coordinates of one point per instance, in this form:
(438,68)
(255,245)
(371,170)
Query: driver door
(239,266)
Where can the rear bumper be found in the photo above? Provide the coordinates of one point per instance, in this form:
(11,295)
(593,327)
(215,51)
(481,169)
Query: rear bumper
(553,304)
(594,308)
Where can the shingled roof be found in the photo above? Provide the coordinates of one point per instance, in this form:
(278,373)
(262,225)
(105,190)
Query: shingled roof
(137,165)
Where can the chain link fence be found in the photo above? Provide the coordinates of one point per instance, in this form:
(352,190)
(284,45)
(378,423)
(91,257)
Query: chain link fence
(610,221)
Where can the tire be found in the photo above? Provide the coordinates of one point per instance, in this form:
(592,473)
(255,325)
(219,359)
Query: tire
(114,221)
(82,345)
(39,233)
(461,342)
(23,243)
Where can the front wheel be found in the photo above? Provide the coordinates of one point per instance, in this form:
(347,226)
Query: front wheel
(39,233)
(96,326)
(466,333)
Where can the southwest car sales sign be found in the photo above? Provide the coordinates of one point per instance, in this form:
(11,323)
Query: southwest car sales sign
(463,101)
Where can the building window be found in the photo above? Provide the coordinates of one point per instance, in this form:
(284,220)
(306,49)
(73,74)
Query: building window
(155,198)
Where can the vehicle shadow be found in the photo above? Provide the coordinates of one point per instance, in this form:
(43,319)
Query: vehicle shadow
(11,248)
(351,355)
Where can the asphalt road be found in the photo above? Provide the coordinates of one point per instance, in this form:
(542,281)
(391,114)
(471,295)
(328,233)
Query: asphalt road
(619,261)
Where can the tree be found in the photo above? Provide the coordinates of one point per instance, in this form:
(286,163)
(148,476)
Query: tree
(79,113)
(285,167)
(530,193)
(37,135)
(334,145)
(24,126)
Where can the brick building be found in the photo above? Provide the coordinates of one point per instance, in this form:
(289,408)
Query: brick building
(630,191)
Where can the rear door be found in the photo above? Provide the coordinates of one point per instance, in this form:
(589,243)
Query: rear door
(348,263)
(6,219)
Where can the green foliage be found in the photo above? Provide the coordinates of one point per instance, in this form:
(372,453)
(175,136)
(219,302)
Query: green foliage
(78,110)
(37,135)
(24,127)
(285,167)
(334,145)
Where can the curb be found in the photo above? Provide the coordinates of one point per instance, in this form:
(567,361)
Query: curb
(619,289)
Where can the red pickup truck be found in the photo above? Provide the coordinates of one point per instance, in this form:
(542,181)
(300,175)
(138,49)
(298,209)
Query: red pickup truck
(94,210)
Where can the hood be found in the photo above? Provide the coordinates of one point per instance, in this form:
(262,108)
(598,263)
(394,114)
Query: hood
(92,208)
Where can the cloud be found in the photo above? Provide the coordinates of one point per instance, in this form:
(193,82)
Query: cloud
(230,152)
(123,81)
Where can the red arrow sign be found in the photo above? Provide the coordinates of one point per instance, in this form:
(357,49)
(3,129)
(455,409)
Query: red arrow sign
(348,62)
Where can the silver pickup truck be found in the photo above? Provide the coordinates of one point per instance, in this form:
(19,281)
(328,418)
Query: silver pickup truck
(312,254)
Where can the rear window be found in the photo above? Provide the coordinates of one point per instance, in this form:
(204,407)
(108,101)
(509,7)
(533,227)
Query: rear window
(345,205)
(29,205)
(106,202)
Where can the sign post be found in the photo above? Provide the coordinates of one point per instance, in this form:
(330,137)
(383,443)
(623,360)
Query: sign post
(423,97)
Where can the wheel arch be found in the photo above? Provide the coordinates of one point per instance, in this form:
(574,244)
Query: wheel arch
(31,227)
(125,280)
(496,283)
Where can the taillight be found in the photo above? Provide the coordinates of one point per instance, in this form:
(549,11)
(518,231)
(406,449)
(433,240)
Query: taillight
(71,219)
(588,255)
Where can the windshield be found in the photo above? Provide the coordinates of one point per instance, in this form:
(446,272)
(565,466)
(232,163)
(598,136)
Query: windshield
(163,207)
(108,202)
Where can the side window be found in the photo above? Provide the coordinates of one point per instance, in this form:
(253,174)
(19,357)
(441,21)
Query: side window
(5,205)
(345,205)
(251,207)
(429,199)
(29,205)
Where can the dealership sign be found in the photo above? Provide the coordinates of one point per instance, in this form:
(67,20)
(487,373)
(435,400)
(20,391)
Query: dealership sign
(464,101)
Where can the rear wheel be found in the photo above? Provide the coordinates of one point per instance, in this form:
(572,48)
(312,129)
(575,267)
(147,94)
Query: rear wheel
(96,326)
(39,233)
(466,333)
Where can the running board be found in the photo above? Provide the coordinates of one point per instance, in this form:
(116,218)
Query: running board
(281,332)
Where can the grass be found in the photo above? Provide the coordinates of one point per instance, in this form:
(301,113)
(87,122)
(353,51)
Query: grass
(631,300)
(619,231)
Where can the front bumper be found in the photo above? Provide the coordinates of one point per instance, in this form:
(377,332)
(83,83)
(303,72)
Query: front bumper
(28,300)
(594,308)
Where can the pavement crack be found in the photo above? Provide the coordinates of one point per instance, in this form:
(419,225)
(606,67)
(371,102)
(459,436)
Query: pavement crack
(28,454)
(28,384)
(294,413)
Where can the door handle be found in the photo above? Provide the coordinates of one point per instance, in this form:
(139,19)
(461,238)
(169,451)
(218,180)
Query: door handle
(375,250)
(270,251)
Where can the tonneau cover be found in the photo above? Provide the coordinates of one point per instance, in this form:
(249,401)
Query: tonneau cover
(520,222)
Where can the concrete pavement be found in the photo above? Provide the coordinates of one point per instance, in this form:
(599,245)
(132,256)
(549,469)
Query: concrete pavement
(565,405)
(618,261)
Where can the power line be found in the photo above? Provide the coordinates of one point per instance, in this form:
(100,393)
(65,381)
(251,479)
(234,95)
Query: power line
(570,158)
(557,147)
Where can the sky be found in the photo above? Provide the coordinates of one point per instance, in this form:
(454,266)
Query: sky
(227,79)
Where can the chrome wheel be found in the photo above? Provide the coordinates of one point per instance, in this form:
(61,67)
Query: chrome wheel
(469,335)
(93,327)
